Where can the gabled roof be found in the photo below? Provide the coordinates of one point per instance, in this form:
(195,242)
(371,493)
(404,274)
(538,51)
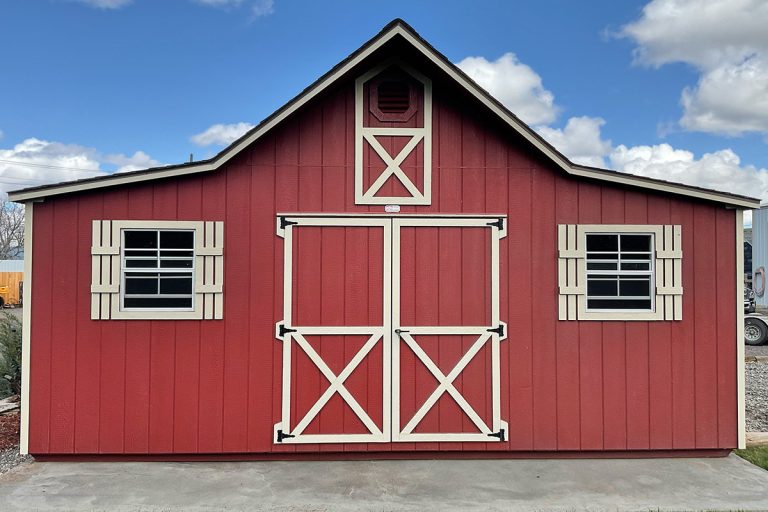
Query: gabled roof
(396,29)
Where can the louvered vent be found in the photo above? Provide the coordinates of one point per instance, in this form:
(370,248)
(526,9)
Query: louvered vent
(394,97)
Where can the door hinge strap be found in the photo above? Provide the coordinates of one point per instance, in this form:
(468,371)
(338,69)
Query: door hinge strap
(284,222)
(498,330)
(499,223)
(283,330)
(499,434)
(281,435)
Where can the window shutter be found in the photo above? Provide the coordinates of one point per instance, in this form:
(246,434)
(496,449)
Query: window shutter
(568,266)
(209,277)
(571,269)
(105,269)
(669,273)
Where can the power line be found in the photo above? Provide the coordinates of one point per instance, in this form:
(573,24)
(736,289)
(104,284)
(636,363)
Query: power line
(49,166)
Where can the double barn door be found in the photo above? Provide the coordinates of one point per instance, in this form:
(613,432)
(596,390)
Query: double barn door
(390,329)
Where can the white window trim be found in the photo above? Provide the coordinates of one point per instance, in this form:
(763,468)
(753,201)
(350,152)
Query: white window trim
(666,261)
(620,272)
(124,270)
(107,273)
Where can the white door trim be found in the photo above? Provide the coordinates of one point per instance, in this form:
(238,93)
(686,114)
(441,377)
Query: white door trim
(291,335)
(286,432)
(498,430)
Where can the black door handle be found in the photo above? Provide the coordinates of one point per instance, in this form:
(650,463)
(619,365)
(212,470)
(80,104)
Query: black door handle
(400,331)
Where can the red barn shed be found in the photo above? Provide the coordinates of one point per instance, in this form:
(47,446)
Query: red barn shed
(391,265)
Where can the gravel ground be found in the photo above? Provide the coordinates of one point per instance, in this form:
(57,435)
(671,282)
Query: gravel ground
(757,397)
(11,458)
(760,350)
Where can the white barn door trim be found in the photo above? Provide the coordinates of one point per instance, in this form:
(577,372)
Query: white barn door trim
(391,334)
(291,430)
(491,334)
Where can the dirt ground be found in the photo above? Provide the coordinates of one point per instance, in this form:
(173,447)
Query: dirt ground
(9,430)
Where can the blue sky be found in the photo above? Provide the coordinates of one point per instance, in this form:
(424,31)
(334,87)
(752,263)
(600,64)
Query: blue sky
(676,89)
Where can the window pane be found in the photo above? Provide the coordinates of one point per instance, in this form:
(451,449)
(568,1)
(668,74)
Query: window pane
(635,266)
(142,285)
(602,287)
(154,303)
(176,264)
(643,304)
(635,256)
(141,263)
(143,254)
(176,239)
(141,239)
(599,265)
(603,256)
(602,242)
(635,287)
(176,286)
(177,254)
(635,243)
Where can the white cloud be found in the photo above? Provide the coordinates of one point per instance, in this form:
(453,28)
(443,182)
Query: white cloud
(221,134)
(729,99)
(727,42)
(515,85)
(139,160)
(41,162)
(520,88)
(34,162)
(106,4)
(220,3)
(580,140)
(263,8)
(720,170)
(258,7)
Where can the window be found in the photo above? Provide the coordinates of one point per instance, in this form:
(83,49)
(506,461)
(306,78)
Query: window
(158,269)
(619,271)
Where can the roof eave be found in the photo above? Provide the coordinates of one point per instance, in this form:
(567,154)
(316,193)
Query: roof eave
(395,28)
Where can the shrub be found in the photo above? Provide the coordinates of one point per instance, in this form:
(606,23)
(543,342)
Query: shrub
(10,355)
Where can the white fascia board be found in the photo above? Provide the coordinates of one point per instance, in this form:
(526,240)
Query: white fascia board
(474,89)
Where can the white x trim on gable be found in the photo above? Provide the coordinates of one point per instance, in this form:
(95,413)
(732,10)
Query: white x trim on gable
(365,136)
(393,164)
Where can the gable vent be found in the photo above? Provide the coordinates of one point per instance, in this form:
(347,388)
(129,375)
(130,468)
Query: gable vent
(394,97)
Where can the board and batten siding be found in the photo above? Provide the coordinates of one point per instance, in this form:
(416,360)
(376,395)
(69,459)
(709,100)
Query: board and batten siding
(137,387)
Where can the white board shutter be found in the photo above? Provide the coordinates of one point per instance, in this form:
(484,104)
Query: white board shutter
(669,273)
(105,269)
(571,272)
(568,265)
(209,277)
(106,275)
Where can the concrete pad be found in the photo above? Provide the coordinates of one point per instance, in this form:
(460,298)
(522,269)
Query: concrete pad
(728,483)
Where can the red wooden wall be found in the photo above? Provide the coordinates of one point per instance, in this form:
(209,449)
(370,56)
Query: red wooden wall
(138,387)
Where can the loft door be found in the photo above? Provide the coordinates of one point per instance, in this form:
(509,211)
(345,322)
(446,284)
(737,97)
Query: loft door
(390,329)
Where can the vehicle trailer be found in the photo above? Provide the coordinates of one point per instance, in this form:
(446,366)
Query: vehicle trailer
(755,329)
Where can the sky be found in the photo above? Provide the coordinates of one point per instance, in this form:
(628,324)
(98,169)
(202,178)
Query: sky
(672,89)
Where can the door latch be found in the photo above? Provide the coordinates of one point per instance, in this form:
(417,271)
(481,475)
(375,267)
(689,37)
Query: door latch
(400,331)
